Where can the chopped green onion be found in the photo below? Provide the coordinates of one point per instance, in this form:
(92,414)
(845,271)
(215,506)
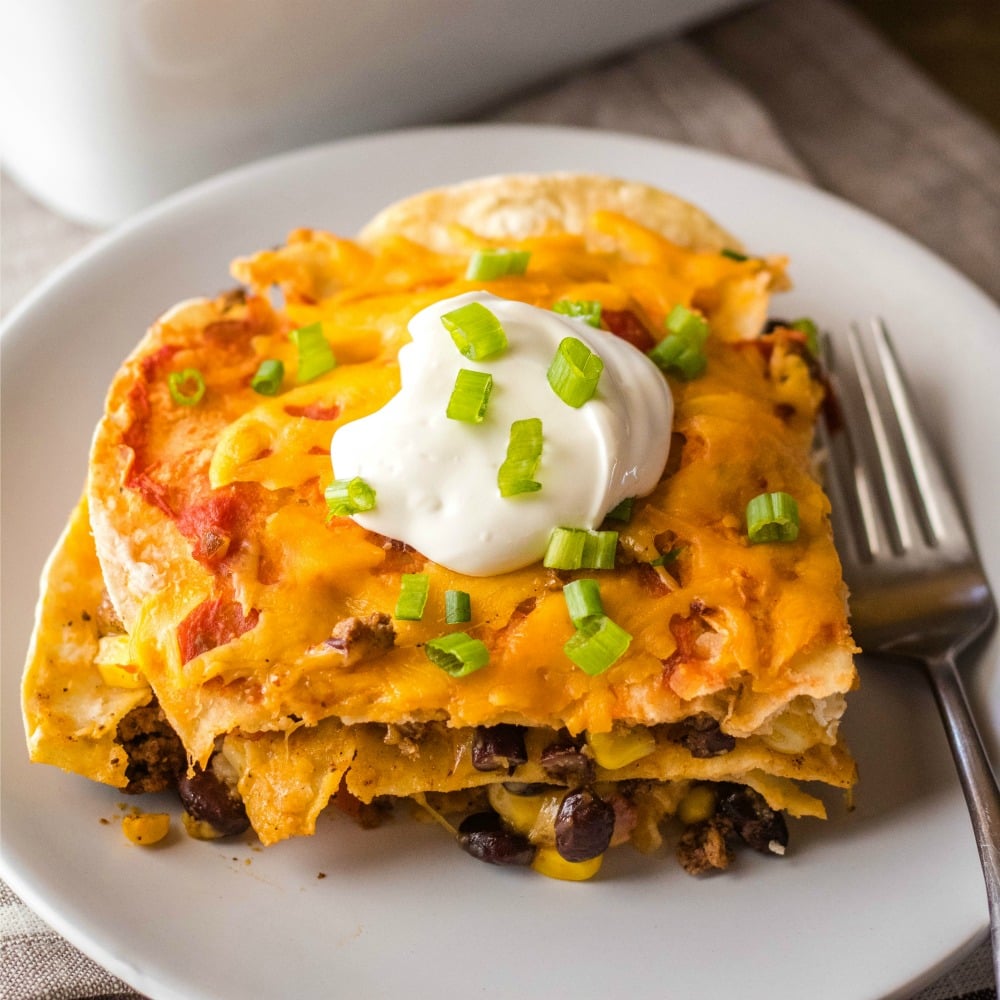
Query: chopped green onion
(808,327)
(578,548)
(685,323)
(186,387)
(623,512)
(267,381)
(457,606)
(677,355)
(667,557)
(476,331)
(583,600)
(348,496)
(457,653)
(574,372)
(565,549)
(589,310)
(733,254)
(599,548)
(597,644)
(682,351)
(485,265)
(470,396)
(315,354)
(412,597)
(524,451)
(772,517)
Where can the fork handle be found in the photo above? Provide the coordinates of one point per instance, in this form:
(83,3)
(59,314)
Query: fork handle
(978,783)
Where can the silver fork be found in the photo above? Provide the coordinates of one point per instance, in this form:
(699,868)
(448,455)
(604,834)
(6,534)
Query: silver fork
(918,590)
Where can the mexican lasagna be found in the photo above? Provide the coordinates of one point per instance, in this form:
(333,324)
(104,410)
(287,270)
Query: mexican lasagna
(566,583)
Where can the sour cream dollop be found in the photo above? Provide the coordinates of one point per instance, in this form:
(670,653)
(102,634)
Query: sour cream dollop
(435,479)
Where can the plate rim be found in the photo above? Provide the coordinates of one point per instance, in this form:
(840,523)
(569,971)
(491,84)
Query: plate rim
(20,317)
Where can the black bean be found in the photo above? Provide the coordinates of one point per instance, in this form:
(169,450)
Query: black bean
(481,822)
(701,736)
(564,761)
(497,747)
(584,825)
(484,837)
(756,823)
(210,800)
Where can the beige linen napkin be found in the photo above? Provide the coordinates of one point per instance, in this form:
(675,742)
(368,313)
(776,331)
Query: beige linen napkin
(800,86)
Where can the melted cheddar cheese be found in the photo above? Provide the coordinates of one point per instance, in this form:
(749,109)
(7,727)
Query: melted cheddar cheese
(214,538)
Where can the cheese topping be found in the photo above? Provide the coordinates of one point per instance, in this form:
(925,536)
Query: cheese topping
(435,478)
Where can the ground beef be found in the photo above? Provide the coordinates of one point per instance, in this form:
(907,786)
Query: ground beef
(704,847)
(156,757)
(363,638)
(626,819)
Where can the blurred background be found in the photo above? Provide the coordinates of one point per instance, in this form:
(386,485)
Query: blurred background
(109,105)
(956,43)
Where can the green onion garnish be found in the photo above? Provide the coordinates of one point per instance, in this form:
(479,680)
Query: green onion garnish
(772,517)
(589,310)
(682,351)
(574,372)
(412,597)
(457,654)
(808,327)
(565,549)
(733,254)
(583,600)
(476,331)
(524,450)
(470,396)
(186,387)
(623,512)
(675,354)
(485,265)
(457,606)
(599,548)
(667,557)
(578,548)
(597,644)
(348,496)
(685,323)
(267,381)
(315,354)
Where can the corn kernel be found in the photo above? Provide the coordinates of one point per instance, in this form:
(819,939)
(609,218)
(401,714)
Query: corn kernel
(198,828)
(791,734)
(518,811)
(146,828)
(621,747)
(549,862)
(697,806)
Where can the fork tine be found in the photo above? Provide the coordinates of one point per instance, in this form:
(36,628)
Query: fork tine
(942,521)
(897,495)
(886,479)
(858,524)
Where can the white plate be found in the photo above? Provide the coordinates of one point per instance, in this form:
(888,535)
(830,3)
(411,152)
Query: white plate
(872,902)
